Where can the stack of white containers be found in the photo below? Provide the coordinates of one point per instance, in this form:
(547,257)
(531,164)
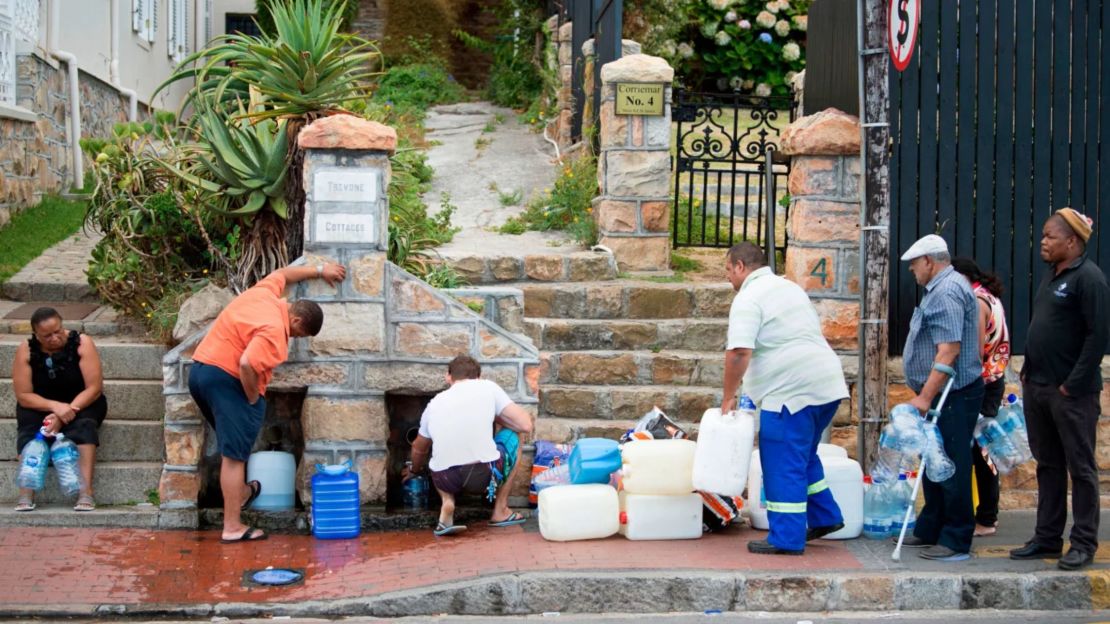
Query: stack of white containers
(657,501)
(844,478)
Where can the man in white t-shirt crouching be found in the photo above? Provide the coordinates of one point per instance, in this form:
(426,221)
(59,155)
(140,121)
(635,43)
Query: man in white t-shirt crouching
(466,455)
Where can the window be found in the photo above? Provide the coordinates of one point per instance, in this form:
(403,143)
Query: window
(7,56)
(178,40)
(241,23)
(144,19)
(26,20)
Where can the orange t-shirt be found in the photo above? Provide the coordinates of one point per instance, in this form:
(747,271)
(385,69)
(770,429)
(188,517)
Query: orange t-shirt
(255,323)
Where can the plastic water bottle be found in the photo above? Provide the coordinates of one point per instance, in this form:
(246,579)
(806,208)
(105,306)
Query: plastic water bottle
(555,475)
(876,517)
(1012,419)
(939,467)
(900,443)
(414,492)
(64,455)
(34,459)
(990,435)
(890,456)
(902,497)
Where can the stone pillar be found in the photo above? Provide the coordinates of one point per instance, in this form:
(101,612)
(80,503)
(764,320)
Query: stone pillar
(634,169)
(564,101)
(823,228)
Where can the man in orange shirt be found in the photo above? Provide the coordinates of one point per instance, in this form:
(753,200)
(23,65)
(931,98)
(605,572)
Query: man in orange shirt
(233,365)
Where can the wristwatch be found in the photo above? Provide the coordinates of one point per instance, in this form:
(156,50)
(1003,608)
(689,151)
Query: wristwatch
(320,270)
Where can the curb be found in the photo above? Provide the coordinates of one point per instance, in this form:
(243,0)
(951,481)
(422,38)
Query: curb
(658,592)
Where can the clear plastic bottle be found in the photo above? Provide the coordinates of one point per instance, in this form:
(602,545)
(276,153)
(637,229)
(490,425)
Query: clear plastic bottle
(34,459)
(938,467)
(64,454)
(1012,419)
(876,514)
(904,492)
(555,475)
(990,435)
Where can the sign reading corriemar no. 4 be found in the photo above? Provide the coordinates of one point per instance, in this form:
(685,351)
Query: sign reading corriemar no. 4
(639,99)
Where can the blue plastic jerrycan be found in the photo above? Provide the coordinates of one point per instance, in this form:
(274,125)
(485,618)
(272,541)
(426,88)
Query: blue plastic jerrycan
(593,459)
(335,502)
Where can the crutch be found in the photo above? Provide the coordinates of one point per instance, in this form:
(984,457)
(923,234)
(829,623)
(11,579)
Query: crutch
(932,415)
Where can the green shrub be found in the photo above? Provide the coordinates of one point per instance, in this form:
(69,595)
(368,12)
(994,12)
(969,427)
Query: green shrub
(567,205)
(434,20)
(264,16)
(515,79)
(414,88)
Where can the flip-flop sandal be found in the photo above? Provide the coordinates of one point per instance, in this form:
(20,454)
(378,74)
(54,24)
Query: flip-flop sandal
(25,505)
(248,536)
(513,520)
(256,489)
(442,529)
(85,503)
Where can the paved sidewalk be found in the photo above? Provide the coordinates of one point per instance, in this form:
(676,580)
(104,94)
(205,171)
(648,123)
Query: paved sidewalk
(511,570)
(57,274)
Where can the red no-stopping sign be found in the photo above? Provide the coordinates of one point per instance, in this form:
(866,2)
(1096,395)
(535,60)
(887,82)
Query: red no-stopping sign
(903,19)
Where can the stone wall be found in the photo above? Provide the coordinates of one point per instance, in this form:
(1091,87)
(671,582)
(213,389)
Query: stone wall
(634,169)
(559,62)
(35,158)
(385,331)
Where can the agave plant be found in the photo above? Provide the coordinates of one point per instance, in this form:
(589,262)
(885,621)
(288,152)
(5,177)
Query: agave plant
(305,66)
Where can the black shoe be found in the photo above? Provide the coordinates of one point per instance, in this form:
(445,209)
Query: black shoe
(942,553)
(912,541)
(819,532)
(763,547)
(1075,559)
(1033,550)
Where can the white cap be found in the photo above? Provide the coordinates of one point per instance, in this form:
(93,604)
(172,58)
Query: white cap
(926,245)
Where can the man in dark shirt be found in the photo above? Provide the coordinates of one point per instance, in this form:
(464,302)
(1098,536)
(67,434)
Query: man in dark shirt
(1061,381)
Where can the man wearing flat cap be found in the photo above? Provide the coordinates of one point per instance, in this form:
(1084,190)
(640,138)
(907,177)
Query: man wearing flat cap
(944,336)
(1061,381)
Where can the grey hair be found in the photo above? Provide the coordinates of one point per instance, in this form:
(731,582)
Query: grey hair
(940,256)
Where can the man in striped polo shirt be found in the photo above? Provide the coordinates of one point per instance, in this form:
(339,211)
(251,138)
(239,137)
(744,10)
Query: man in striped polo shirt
(775,345)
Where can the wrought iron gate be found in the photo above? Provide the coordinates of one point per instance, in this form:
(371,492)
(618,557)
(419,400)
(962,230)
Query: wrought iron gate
(998,121)
(724,146)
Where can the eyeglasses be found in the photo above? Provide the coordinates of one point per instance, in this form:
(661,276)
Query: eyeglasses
(50,367)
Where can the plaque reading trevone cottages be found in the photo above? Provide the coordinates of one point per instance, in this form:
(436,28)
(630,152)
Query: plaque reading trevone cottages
(346,185)
(345,227)
(639,99)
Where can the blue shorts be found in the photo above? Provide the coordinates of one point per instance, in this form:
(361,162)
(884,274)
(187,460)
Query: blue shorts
(224,405)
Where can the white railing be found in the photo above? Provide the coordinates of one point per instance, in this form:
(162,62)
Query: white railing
(7,54)
(25,19)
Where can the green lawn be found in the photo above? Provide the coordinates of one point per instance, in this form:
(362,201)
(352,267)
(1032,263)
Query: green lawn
(34,230)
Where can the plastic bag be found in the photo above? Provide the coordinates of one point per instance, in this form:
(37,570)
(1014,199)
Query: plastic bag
(656,424)
(548,455)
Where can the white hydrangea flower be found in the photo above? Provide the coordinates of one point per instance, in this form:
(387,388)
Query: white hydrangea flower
(801,22)
(720,5)
(763,89)
(709,30)
(748,84)
(765,19)
(782,28)
(791,51)
(730,16)
(722,38)
(784,5)
(685,50)
(744,24)
(668,48)
(736,82)
(773,6)
(789,77)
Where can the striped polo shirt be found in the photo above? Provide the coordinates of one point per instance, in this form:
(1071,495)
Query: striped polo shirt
(792,364)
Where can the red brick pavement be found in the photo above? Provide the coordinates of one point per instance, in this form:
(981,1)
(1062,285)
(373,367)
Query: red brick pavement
(128,566)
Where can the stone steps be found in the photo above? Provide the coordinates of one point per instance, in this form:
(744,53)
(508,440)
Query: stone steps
(120,440)
(104,321)
(141,516)
(600,402)
(120,357)
(637,368)
(556,334)
(626,299)
(27,288)
(577,266)
(115,483)
(128,399)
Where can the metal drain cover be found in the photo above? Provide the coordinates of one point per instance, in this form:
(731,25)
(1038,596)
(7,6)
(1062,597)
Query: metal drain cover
(276,576)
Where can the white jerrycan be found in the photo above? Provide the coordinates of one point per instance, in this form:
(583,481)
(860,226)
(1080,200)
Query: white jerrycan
(655,517)
(578,512)
(724,452)
(658,466)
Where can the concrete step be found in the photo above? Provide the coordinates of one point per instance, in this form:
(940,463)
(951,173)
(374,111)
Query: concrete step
(128,399)
(120,440)
(104,321)
(573,401)
(115,483)
(677,368)
(577,266)
(554,334)
(141,516)
(26,288)
(626,299)
(120,358)
(573,429)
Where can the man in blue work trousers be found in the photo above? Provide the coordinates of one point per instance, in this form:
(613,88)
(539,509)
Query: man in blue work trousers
(775,345)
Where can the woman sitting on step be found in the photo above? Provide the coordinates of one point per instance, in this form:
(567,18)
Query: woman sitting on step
(57,381)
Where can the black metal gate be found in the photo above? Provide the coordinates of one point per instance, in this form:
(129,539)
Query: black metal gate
(997,122)
(603,22)
(724,146)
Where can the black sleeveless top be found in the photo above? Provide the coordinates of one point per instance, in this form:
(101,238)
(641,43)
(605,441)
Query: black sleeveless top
(67,381)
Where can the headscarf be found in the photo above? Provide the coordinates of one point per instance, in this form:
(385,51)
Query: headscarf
(1080,223)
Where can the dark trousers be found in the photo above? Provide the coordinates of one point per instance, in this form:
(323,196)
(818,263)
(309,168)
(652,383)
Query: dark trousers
(986,480)
(947,517)
(1062,434)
